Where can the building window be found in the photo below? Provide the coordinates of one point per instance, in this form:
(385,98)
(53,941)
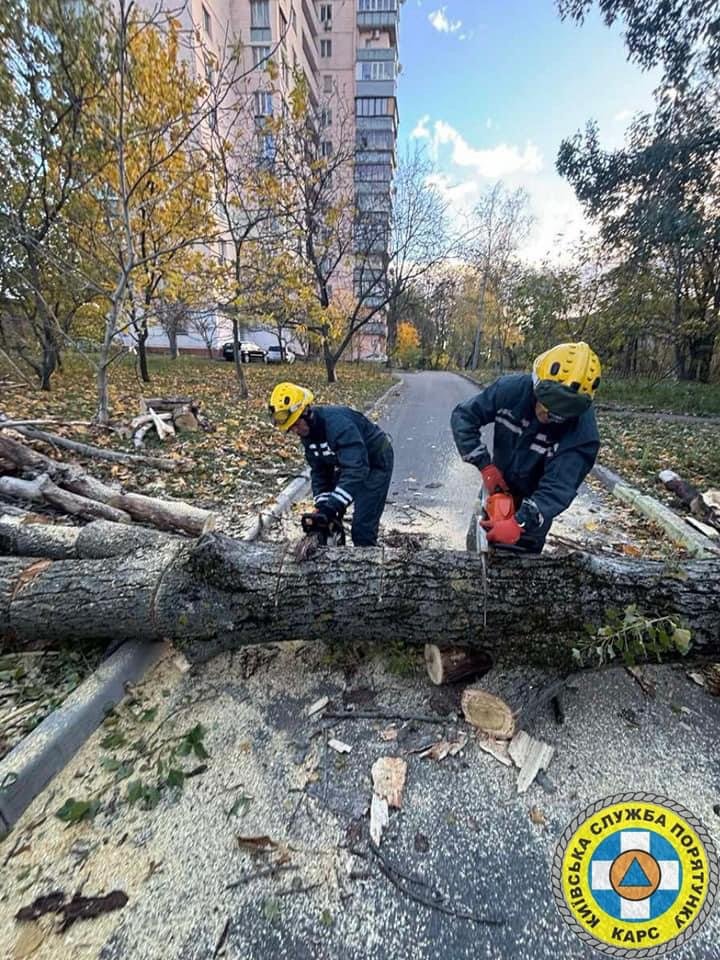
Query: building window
(371,107)
(209,72)
(326,13)
(326,48)
(260,54)
(263,103)
(326,148)
(325,117)
(294,20)
(375,140)
(207,23)
(376,70)
(327,83)
(260,21)
(222,251)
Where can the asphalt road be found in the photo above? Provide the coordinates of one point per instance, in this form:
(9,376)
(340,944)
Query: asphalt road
(197,891)
(432,489)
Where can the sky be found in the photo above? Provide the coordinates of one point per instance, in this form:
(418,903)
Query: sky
(491,87)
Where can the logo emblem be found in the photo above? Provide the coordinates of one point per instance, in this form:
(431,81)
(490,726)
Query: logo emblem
(635,875)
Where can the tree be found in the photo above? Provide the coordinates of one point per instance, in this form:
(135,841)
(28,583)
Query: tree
(680,36)
(50,155)
(407,346)
(657,204)
(502,222)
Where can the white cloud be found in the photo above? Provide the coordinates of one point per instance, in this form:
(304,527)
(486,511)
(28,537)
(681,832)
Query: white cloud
(623,116)
(421,130)
(438,19)
(495,162)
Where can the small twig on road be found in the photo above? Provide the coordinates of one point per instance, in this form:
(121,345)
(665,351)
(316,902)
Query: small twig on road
(261,874)
(291,890)
(395,876)
(382,715)
(223,937)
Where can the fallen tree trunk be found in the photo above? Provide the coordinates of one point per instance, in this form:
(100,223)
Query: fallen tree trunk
(170,515)
(690,496)
(219,593)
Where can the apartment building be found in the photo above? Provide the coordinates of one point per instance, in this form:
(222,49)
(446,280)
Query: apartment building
(347,49)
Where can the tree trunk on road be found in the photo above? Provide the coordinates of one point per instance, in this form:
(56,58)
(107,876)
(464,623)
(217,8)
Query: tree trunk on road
(217,593)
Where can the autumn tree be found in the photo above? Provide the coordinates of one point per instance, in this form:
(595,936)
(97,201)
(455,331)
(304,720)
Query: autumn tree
(502,220)
(50,156)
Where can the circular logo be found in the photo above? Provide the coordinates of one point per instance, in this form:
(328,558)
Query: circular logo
(635,875)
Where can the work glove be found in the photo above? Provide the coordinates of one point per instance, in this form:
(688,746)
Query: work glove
(529,517)
(505,532)
(493,479)
(320,519)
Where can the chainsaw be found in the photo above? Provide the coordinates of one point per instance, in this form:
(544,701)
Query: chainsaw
(317,534)
(488,506)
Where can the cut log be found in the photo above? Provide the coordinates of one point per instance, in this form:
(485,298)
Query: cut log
(690,496)
(450,664)
(218,593)
(43,490)
(505,700)
(163,427)
(172,515)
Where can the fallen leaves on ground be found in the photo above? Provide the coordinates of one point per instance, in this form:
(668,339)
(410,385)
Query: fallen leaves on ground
(239,466)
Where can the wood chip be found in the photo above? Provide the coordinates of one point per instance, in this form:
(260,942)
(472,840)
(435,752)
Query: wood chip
(530,756)
(496,748)
(389,733)
(537,816)
(388,776)
(318,706)
(445,748)
(339,746)
(379,818)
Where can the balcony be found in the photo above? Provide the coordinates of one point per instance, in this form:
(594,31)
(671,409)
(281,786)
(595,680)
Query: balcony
(385,19)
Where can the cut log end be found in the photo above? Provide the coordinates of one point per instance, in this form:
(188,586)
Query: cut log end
(450,664)
(488,713)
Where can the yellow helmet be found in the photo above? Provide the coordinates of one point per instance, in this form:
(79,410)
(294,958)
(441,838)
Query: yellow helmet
(287,404)
(566,378)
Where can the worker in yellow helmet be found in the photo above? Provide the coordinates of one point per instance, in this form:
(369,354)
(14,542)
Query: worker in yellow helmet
(545,440)
(351,459)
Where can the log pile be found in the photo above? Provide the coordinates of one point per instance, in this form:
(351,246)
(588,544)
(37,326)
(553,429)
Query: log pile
(167,415)
(37,478)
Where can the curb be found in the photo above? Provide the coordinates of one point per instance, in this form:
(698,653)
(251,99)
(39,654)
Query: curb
(43,753)
(300,486)
(673,525)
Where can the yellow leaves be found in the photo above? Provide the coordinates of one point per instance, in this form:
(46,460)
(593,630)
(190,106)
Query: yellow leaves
(407,335)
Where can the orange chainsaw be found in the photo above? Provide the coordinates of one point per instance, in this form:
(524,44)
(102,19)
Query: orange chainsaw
(493,507)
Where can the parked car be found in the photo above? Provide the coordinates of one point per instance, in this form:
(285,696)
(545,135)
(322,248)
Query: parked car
(249,351)
(274,354)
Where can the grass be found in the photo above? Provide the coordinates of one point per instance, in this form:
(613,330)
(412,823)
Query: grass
(667,396)
(244,460)
(638,449)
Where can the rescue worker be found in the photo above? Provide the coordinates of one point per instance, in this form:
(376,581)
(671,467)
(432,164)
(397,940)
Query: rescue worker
(351,459)
(545,442)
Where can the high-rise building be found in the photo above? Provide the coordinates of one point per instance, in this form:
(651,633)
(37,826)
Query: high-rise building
(347,49)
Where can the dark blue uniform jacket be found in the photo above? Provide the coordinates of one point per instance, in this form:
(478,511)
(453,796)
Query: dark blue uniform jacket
(343,446)
(542,463)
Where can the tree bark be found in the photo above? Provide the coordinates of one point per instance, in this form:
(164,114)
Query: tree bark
(219,593)
(43,490)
